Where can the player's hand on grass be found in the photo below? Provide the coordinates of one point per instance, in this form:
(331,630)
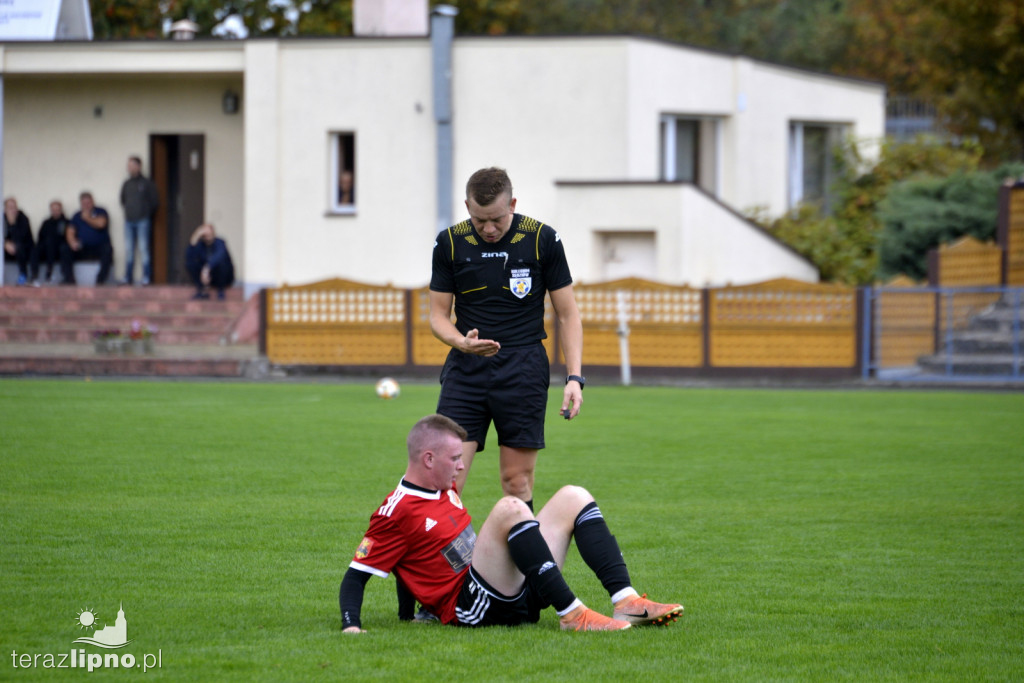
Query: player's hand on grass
(481,347)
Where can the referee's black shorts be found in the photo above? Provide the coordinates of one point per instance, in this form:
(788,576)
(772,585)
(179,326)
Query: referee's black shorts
(509,388)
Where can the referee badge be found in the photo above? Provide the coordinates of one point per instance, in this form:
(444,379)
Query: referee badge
(520,286)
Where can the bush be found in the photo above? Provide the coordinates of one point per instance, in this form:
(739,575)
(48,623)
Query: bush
(844,245)
(920,214)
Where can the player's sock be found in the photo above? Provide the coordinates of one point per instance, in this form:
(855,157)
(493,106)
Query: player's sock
(532,557)
(406,602)
(600,550)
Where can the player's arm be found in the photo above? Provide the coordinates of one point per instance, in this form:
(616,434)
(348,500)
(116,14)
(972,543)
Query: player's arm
(570,332)
(442,327)
(350,599)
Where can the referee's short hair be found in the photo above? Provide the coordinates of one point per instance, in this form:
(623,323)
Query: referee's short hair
(487,184)
(425,434)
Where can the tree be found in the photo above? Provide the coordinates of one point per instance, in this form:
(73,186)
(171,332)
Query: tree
(964,56)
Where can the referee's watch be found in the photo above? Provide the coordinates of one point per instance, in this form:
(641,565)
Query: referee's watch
(581,380)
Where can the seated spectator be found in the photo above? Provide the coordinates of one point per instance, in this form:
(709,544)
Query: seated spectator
(208,262)
(18,242)
(88,238)
(52,234)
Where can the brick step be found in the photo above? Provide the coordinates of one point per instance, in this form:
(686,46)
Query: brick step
(82,360)
(122,306)
(124,366)
(110,293)
(98,321)
(79,335)
(971,364)
(981,342)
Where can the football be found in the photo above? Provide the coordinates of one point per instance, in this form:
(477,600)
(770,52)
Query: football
(387,388)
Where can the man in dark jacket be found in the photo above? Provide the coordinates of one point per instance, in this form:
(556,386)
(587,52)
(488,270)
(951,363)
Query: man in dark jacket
(18,242)
(140,199)
(52,234)
(208,262)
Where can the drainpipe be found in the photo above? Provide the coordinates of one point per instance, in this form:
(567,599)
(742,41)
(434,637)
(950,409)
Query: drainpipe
(1,158)
(442,32)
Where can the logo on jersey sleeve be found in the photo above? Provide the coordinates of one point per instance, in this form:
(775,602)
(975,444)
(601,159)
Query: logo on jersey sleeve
(520,283)
(454,498)
(364,548)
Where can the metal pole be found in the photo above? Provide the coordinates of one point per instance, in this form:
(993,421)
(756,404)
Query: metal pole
(623,331)
(1016,333)
(442,33)
(867,331)
(949,335)
(1,156)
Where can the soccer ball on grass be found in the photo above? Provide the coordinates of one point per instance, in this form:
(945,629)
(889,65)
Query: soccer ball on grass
(387,388)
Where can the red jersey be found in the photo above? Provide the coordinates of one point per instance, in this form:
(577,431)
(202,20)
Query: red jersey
(426,538)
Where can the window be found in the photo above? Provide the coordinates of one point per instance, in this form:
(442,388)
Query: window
(690,148)
(811,166)
(343,173)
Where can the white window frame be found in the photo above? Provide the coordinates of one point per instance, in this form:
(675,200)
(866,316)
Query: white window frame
(708,179)
(797,190)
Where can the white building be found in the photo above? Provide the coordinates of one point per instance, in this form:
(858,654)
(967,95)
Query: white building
(641,153)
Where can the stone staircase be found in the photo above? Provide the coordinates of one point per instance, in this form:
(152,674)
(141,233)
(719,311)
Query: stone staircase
(986,348)
(50,331)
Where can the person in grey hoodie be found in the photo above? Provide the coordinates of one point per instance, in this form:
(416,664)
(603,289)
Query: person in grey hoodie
(140,199)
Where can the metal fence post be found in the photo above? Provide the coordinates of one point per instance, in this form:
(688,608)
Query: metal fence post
(867,329)
(622,310)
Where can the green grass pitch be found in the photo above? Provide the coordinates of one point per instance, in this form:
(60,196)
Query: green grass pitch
(812,535)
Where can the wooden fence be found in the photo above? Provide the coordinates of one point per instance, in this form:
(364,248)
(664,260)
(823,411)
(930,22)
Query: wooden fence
(1011,232)
(776,324)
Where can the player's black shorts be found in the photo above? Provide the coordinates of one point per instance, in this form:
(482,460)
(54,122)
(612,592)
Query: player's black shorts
(481,605)
(510,388)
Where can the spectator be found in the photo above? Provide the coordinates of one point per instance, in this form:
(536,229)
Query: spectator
(52,234)
(18,242)
(208,262)
(140,199)
(346,188)
(88,238)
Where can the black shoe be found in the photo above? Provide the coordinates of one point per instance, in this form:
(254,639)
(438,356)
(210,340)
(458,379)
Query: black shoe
(200,295)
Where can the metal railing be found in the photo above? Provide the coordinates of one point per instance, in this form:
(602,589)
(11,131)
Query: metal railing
(943,333)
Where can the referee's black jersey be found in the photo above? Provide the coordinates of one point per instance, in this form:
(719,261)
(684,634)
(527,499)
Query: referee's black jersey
(499,287)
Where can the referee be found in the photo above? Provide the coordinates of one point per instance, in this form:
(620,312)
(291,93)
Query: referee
(496,267)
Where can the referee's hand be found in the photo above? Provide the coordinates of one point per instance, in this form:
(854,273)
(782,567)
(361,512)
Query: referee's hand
(572,400)
(472,343)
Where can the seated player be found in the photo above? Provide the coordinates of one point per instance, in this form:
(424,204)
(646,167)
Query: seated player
(507,574)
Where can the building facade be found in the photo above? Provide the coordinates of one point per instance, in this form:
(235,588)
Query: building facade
(318,158)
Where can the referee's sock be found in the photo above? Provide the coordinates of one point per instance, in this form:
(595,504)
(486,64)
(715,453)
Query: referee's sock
(533,558)
(600,550)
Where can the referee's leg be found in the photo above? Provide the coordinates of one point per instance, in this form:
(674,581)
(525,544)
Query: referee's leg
(517,467)
(468,453)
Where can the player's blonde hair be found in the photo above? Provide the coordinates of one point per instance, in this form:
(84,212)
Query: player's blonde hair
(427,433)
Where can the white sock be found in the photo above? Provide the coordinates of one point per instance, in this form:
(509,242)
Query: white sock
(624,593)
(575,603)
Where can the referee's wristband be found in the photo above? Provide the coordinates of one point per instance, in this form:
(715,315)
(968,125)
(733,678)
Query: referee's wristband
(581,380)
